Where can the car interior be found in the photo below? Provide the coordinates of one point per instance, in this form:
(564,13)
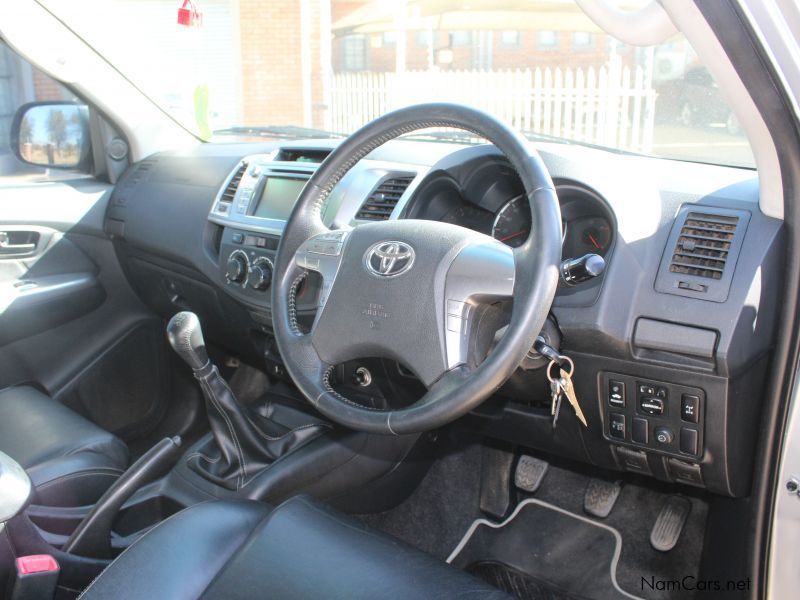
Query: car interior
(433,358)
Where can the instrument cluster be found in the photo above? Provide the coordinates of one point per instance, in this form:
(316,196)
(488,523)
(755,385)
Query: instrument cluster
(586,225)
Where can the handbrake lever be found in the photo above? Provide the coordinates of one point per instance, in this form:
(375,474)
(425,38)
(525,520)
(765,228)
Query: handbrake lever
(92,538)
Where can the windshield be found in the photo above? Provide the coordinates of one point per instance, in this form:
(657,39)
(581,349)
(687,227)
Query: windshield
(296,68)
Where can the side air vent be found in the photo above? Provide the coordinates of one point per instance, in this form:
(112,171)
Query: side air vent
(383,199)
(703,245)
(701,253)
(137,174)
(233,185)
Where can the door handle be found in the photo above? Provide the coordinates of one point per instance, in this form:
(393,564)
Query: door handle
(9,248)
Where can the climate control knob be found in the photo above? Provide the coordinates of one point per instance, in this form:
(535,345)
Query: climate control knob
(236,269)
(260,274)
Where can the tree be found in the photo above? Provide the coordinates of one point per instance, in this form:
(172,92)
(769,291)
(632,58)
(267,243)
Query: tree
(57,128)
(26,130)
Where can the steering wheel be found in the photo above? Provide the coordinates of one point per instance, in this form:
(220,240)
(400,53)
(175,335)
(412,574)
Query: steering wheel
(411,290)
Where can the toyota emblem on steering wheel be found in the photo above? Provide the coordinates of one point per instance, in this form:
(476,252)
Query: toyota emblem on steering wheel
(389,259)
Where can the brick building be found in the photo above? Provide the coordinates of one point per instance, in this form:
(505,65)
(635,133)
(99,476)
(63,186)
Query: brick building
(550,34)
(364,38)
(286,67)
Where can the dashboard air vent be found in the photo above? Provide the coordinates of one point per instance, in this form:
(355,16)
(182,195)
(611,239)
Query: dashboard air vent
(311,155)
(700,257)
(233,184)
(703,245)
(383,199)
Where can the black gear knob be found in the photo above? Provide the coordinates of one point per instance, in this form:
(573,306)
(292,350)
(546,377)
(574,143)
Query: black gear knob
(186,337)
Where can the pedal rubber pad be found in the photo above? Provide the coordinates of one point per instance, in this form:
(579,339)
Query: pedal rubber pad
(495,481)
(669,524)
(530,472)
(600,497)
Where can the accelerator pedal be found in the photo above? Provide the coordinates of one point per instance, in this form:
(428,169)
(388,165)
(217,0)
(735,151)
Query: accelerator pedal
(669,524)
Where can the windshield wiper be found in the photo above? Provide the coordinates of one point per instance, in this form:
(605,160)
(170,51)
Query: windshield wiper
(280,131)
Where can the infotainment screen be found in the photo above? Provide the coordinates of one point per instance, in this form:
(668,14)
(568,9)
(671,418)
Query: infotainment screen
(278,197)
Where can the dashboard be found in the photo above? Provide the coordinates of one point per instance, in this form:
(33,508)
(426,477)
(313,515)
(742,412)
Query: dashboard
(670,343)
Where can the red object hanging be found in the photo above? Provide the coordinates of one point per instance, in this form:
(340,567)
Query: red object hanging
(188,15)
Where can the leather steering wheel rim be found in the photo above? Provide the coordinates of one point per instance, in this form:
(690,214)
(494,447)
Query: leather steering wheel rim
(535,263)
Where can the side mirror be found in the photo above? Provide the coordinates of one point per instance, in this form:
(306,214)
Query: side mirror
(52,134)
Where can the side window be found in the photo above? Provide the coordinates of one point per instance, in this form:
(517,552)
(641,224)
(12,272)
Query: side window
(21,83)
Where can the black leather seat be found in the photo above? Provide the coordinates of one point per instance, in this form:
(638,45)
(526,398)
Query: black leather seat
(70,460)
(300,550)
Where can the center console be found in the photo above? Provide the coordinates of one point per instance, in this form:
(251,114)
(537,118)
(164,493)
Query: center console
(257,198)
(253,205)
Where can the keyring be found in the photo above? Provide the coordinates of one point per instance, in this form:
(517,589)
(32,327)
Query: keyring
(563,361)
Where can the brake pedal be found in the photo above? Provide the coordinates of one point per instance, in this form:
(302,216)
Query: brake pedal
(600,497)
(530,472)
(669,524)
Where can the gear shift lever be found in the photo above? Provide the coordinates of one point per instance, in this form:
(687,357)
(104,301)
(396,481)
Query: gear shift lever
(186,338)
(240,448)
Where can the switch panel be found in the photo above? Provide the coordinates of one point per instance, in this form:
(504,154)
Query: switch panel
(689,407)
(658,416)
(616,425)
(616,393)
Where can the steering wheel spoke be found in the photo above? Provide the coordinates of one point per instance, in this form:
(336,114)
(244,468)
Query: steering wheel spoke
(484,270)
(322,253)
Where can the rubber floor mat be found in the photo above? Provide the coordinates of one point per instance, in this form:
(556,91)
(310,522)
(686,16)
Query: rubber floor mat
(516,583)
(556,549)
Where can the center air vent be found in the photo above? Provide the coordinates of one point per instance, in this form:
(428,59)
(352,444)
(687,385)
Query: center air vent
(233,184)
(310,155)
(700,257)
(703,246)
(383,199)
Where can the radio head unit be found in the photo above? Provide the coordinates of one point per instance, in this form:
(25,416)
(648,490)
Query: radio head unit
(260,193)
(275,196)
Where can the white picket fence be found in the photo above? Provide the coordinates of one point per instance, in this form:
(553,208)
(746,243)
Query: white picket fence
(611,106)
